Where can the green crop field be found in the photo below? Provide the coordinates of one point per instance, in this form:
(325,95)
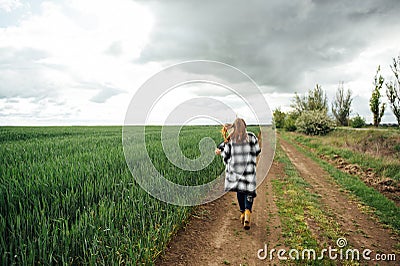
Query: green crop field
(68,197)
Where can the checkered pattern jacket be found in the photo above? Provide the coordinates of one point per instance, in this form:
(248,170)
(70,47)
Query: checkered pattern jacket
(240,164)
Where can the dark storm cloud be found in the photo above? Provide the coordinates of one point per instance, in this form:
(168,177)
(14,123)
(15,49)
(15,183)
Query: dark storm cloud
(275,42)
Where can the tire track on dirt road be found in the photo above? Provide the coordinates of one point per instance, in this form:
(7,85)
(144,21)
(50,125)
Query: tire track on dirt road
(360,229)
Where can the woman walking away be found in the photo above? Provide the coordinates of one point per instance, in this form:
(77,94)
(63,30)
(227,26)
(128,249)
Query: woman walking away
(239,152)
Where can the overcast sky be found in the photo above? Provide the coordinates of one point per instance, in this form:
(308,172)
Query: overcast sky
(81,61)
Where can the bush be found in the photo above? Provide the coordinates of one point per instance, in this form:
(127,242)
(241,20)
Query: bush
(290,122)
(357,121)
(314,123)
(279,118)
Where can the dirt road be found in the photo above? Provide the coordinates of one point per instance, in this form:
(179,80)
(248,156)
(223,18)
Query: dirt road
(360,229)
(214,236)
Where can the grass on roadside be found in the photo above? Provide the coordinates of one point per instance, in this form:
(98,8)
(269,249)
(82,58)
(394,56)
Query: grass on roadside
(385,209)
(379,150)
(298,207)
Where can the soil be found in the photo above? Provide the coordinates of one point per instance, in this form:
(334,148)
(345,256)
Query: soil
(387,186)
(214,235)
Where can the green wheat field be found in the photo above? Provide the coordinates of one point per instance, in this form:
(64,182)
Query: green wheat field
(68,197)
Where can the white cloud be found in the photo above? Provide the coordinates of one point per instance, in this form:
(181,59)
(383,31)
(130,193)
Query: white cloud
(71,44)
(10,5)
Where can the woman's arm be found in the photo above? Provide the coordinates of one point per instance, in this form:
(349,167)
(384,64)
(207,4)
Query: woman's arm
(258,149)
(220,148)
(255,147)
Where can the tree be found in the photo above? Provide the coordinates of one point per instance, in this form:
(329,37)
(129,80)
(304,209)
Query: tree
(341,105)
(299,103)
(279,118)
(290,122)
(315,101)
(393,89)
(377,108)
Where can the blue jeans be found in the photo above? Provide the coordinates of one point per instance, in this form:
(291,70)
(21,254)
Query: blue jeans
(245,201)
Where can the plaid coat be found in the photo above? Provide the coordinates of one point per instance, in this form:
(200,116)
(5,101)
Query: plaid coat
(240,164)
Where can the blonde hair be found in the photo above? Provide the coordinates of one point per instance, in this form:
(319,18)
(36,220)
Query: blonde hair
(239,134)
